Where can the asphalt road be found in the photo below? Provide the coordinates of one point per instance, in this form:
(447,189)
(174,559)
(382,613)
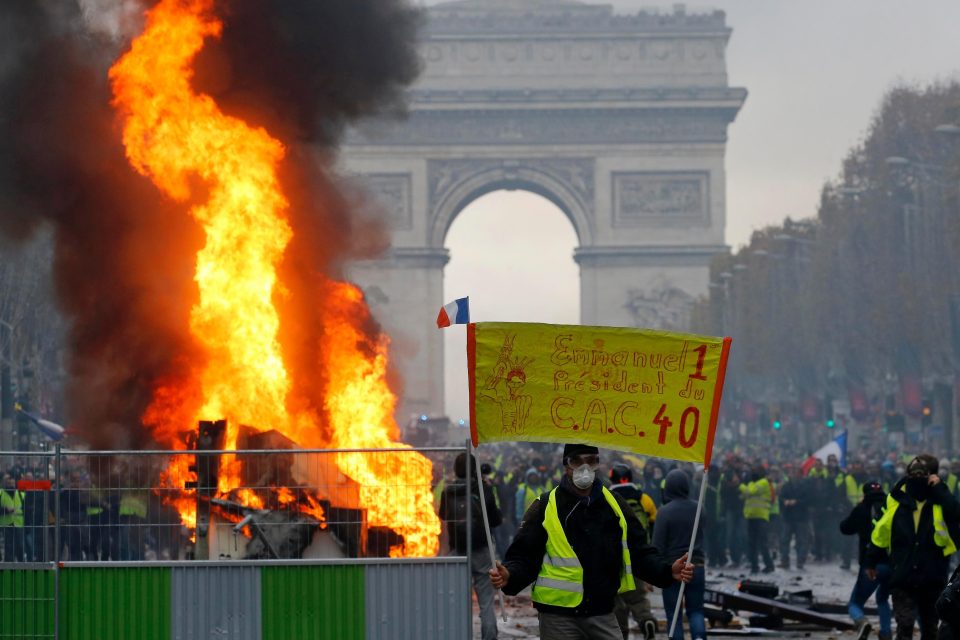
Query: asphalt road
(829,583)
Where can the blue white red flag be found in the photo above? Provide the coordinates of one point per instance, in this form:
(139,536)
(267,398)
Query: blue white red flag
(456,312)
(50,429)
(836,447)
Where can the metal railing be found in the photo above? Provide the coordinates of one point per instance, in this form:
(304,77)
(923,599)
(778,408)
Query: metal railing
(75,511)
(185,506)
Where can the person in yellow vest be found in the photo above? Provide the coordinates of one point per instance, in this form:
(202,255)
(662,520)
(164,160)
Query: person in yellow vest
(634,602)
(919,531)
(527,491)
(131,534)
(11,520)
(852,482)
(950,473)
(757,501)
(775,527)
(580,545)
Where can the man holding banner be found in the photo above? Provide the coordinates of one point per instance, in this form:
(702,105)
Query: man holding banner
(651,392)
(581,545)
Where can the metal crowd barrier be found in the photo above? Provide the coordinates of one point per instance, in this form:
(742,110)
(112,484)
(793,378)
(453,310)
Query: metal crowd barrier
(267,527)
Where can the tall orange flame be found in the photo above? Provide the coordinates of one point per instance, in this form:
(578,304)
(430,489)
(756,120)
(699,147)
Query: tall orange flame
(174,136)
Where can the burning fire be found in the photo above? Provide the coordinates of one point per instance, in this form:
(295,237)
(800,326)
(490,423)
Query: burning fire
(181,139)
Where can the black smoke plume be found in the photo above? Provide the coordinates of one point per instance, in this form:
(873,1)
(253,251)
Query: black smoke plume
(124,254)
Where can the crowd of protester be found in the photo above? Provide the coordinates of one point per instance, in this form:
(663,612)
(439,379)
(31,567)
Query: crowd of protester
(110,522)
(770,508)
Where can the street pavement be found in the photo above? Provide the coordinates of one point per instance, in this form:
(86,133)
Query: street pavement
(829,584)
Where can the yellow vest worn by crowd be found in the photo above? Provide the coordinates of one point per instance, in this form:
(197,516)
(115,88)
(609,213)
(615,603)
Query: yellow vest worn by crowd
(757,499)
(11,513)
(133,503)
(529,495)
(775,500)
(884,527)
(852,488)
(560,583)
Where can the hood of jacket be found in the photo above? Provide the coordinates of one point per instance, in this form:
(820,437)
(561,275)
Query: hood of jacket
(677,486)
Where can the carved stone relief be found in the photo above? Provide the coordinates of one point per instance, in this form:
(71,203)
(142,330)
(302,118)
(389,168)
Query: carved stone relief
(529,126)
(661,306)
(577,174)
(488,18)
(657,198)
(392,192)
(482,57)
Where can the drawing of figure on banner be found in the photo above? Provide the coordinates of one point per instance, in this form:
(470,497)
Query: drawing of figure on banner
(513,403)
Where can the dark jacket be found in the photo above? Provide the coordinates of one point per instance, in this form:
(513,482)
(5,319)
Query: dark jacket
(801,490)
(915,560)
(674,525)
(731,503)
(593,530)
(860,521)
(948,608)
(458,543)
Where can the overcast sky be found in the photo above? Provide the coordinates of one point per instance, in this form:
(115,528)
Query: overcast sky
(816,71)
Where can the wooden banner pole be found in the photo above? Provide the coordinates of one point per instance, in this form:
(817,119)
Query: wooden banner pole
(486,528)
(693,539)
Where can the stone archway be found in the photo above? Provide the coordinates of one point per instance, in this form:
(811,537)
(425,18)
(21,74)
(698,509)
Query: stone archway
(619,120)
(566,182)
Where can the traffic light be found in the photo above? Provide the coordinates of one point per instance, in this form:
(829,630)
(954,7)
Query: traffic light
(776,421)
(828,420)
(926,413)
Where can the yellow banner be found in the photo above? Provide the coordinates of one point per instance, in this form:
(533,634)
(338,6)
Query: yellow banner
(650,392)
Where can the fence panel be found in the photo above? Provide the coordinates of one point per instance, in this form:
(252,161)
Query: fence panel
(325,602)
(422,600)
(26,601)
(252,544)
(115,603)
(216,602)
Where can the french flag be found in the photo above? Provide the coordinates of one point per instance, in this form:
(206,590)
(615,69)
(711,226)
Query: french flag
(456,312)
(50,429)
(837,447)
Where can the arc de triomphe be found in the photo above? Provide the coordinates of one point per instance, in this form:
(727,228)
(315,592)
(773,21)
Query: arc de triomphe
(620,120)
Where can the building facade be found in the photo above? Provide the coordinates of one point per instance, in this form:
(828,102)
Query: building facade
(620,120)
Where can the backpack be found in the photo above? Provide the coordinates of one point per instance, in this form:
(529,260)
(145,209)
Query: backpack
(459,502)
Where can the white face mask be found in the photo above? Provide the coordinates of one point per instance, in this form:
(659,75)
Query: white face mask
(583,476)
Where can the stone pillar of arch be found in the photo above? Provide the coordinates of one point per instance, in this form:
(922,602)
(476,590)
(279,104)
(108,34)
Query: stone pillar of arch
(620,120)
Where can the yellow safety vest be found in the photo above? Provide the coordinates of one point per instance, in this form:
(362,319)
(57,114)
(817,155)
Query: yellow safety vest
(560,582)
(95,509)
(529,495)
(882,530)
(756,504)
(14,502)
(132,504)
(853,489)
(775,501)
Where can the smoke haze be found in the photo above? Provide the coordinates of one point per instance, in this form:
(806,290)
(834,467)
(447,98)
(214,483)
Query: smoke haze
(124,253)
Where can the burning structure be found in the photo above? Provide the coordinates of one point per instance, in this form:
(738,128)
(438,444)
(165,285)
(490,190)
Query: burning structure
(181,151)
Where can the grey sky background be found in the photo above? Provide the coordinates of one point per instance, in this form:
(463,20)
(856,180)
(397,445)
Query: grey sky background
(816,71)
